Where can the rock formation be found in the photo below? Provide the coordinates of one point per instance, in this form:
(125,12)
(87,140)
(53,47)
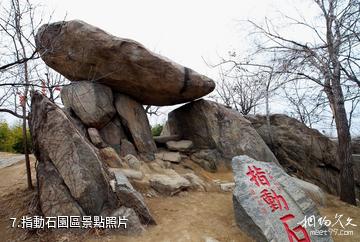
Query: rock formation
(269,205)
(302,151)
(134,119)
(72,177)
(91,102)
(210,125)
(88,149)
(80,51)
(97,152)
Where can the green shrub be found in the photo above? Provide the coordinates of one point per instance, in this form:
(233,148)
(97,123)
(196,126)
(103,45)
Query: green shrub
(6,138)
(11,139)
(156,130)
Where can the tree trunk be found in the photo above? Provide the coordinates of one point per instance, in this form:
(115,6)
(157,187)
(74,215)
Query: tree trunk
(26,150)
(25,140)
(268,124)
(347,183)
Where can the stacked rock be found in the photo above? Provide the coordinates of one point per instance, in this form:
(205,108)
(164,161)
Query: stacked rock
(103,119)
(111,79)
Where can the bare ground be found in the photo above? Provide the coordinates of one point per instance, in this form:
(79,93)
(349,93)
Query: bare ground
(190,216)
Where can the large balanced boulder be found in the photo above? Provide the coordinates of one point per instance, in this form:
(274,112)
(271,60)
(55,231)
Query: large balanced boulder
(91,102)
(210,125)
(72,178)
(80,51)
(134,119)
(269,206)
(302,151)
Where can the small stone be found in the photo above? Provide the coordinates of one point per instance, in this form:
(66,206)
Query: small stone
(126,148)
(210,239)
(110,157)
(169,184)
(182,145)
(162,139)
(227,187)
(207,159)
(173,157)
(129,196)
(133,162)
(133,224)
(133,174)
(196,183)
(95,138)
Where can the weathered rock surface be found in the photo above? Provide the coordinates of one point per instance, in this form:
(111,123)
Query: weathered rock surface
(127,148)
(133,224)
(269,206)
(95,138)
(132,161)
(169,184)
(313,191)
(173,157)
(134,119)
(166,130)
(110,157)
(112,133)
(302,151)
(91,102)
(162,139)
(75,121)
(196,183)
(227,187)
(80,51)
(213,126)
(207,159)
(129,173)
(56,140)
(72,177)
(130,197)
(54,196)
(181,145)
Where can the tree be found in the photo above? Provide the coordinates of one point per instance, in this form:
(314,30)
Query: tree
(306,103)
(20,71)
(240,90)
(255,82)
(331,61)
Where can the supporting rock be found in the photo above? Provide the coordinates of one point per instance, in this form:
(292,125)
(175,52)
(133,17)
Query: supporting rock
(134,119)
(213,126)
(72,179)
(113,133)
(91,102)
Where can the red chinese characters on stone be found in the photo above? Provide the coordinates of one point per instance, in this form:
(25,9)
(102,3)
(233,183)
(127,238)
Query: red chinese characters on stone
(257,176)
(292,233)
(275,201)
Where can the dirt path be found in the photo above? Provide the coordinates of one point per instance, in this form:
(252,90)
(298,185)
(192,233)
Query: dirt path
(190,216)
(8,159)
